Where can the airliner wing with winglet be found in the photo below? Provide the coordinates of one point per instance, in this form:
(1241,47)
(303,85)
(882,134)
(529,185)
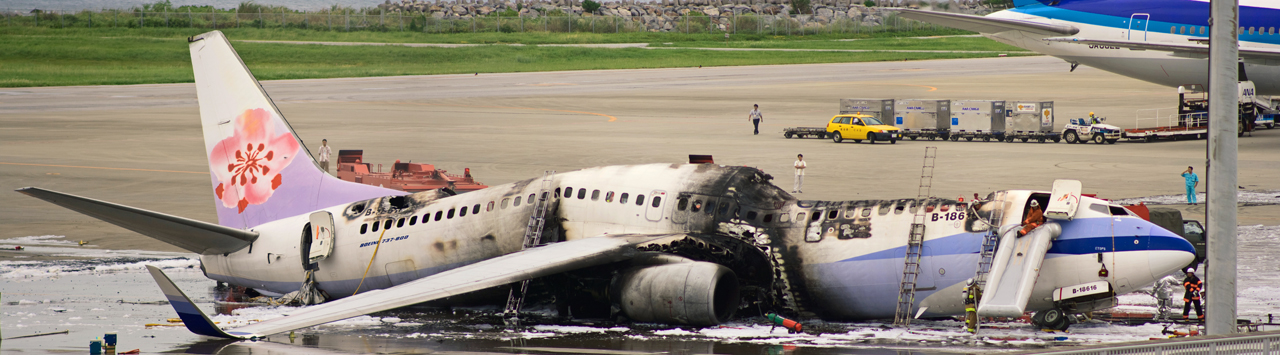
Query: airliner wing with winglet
(982,24)
(537,262)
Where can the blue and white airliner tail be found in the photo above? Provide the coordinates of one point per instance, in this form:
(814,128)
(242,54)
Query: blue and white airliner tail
(1160,41)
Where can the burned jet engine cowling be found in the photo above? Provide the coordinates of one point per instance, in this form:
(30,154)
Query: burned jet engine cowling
(694,293)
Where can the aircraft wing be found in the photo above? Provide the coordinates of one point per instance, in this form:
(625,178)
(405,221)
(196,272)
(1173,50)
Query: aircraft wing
(1188,49)
(983,24)
(532,263)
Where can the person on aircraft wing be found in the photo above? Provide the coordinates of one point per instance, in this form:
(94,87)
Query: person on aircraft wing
(1035,218)
(1192,295)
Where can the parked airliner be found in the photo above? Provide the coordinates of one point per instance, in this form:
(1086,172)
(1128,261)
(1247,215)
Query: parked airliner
(672,243)
(1160,41)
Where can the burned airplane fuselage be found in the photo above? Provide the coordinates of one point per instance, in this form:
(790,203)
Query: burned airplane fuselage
(737,239)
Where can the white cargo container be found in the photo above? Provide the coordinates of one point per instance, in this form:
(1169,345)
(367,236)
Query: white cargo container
(881,109)
(977,119)
(1030,120)
(923,118)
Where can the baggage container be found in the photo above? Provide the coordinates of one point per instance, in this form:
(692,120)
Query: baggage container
(1030,120)
(977,119)
(881,109)
(929,119)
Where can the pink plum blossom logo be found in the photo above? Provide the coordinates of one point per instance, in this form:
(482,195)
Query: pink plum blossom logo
(248,163)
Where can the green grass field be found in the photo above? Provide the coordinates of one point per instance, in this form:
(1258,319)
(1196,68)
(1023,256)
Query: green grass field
(56,57)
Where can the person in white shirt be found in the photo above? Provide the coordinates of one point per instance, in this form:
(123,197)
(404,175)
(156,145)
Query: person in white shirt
(755,117)
(800,165)
(324,154)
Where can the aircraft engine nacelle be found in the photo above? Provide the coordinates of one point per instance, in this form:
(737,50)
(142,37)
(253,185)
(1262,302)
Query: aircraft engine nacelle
(694,293)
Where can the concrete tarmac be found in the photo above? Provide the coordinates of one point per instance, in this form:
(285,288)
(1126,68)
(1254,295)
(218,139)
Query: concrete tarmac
(141,145)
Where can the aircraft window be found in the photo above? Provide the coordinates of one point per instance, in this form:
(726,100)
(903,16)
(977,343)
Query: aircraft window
(1173,30)
(815,217)
(516,202)
(595,195)
(800,216)
(768,218)
(413,220)
(489,207)
(724,207)
(697,206)
(898,208)
(1181,30)
(884,210)
(1271,30)
(387,224)
(751,215)
(439,214)
(850,212)
(364,228)
(529,200)
(475,209)
(568,192)
(657,201)
(426,218)
(784,217)
(1100,208)
(1118,211)
(582,194)
(866,212)
(623,199)
(682,203)
(1201,29)
(450,214)
(462,212)
(557,192)
(1250,30)
(504,202)
(833,214)
(376,225)
(608,197)
(639,200)
(400,223)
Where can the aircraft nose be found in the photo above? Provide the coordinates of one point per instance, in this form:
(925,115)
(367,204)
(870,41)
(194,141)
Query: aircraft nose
(1167,252)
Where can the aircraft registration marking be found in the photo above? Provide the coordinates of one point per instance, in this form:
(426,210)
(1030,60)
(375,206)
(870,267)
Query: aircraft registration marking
(387,240)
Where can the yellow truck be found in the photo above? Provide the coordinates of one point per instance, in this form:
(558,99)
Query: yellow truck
(859,127)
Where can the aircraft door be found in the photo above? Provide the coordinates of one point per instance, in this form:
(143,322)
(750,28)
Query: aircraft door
(320,238)
(1138,23)
(653,207)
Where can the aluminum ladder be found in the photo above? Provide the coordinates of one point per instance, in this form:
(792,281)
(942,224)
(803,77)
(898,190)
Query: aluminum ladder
(990,241)
(532,237)
(915,243)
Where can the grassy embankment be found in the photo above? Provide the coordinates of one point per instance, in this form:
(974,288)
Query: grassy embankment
(114,56)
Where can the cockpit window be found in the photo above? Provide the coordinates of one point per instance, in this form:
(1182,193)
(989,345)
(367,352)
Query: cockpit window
(1118,211)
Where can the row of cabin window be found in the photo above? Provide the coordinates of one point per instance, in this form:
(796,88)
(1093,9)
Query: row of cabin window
(461,212)
(1260,30)
(683,202)
(608,196)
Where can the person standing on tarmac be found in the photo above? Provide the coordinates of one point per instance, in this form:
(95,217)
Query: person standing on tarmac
(1192,181)
(972,295)
(324,153)
(1193,286)
(1035,218)
(755,117)
(799,165)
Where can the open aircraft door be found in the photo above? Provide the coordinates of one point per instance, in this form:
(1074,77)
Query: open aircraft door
(321,237)
(1064,200)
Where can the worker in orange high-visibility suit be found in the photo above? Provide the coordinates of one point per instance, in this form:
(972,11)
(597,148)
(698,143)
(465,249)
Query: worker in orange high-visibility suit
(1035,218)
(1193,286)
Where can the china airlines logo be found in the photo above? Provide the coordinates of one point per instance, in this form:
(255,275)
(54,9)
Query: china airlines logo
(248,163)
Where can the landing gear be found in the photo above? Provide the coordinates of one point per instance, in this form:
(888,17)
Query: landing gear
(1052,319)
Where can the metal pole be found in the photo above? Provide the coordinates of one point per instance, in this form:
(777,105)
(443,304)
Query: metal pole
(1221,202)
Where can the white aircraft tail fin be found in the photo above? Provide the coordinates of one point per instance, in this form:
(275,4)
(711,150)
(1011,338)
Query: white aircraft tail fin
(261,170)
(1016,268)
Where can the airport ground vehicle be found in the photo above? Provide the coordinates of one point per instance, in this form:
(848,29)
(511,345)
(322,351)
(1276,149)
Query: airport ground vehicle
(1091,129)
(805,132)
(861,127)
(1192,118)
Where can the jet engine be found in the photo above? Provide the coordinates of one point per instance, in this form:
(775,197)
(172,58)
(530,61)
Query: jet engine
(694,293)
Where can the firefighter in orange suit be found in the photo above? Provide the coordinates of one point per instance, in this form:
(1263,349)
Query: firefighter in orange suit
(1035,218)
(1193,286)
